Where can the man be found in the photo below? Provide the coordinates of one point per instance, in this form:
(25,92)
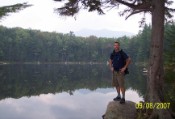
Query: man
(118,63)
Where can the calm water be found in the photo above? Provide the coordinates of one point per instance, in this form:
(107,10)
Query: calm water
(61,91)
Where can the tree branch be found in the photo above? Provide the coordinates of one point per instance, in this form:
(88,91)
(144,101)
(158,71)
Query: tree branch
(134,12)
(131,5)
(12,8)
(145,5)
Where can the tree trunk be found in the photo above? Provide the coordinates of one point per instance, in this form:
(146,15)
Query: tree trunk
(156,76)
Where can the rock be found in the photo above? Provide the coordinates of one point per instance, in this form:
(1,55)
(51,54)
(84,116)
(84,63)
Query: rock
(115,110)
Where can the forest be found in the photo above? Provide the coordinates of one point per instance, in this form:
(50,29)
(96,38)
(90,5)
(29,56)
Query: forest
(25,45)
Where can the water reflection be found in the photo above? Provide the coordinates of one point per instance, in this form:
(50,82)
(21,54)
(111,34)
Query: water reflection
(57,91)
(84,104)
(27,80)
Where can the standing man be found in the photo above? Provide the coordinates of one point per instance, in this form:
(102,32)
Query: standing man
(118,63)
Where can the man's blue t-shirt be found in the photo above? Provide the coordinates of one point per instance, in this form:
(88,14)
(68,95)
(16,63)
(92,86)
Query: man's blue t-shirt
(118,59)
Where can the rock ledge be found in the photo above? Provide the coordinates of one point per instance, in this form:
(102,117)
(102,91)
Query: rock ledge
(115,110)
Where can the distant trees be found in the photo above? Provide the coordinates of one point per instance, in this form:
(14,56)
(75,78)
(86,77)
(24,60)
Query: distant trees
(169,43)
(20,45)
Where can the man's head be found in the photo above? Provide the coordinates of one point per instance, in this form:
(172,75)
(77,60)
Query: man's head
(116,46)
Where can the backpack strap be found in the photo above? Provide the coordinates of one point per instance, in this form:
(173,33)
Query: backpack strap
(122,54)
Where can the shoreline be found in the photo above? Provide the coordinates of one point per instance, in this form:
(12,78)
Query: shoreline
(38,63)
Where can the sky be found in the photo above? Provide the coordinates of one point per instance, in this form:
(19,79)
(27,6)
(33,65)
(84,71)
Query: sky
(41,16)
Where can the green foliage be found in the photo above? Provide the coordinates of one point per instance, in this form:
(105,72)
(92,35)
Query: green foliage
(142,42)
(20,45)
(169,42)
(139,45)
(5,10)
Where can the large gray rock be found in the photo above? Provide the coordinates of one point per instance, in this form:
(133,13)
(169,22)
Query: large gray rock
(115,110)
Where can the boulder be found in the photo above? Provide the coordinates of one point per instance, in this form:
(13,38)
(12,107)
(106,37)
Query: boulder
(115,110)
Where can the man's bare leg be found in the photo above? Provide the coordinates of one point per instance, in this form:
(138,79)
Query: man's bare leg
(123,92)
(123,95)
(118,91)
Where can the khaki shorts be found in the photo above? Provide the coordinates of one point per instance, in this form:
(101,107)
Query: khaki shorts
(118,79)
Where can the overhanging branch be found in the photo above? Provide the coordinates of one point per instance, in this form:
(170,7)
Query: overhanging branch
(5,10)
(145,5)
(131,5)
(134,12)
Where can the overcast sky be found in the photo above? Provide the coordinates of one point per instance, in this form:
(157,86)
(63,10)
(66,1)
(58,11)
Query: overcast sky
(41,16)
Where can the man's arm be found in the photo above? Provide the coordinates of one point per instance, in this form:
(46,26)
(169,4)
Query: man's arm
(110,65)
(128,61)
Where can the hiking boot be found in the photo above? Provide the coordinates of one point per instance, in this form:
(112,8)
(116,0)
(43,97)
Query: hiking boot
(122,101)
(118,98)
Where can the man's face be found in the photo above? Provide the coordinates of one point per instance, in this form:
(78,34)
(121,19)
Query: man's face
(116,46)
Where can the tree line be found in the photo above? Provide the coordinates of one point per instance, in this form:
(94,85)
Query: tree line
(25,45)
(20,45)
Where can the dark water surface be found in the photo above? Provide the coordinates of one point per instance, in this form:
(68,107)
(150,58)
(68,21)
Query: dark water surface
(55,91)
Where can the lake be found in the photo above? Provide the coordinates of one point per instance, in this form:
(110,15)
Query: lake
(59,91)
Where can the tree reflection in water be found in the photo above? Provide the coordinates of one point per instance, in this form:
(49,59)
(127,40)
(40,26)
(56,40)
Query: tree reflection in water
(29,79)
(62,91)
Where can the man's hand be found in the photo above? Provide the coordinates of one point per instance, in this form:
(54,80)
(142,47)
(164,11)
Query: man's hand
(110,65)
(112,69)
(122,70)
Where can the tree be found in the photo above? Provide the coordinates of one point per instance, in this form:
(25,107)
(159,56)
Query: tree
(159,12)
(5,10)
